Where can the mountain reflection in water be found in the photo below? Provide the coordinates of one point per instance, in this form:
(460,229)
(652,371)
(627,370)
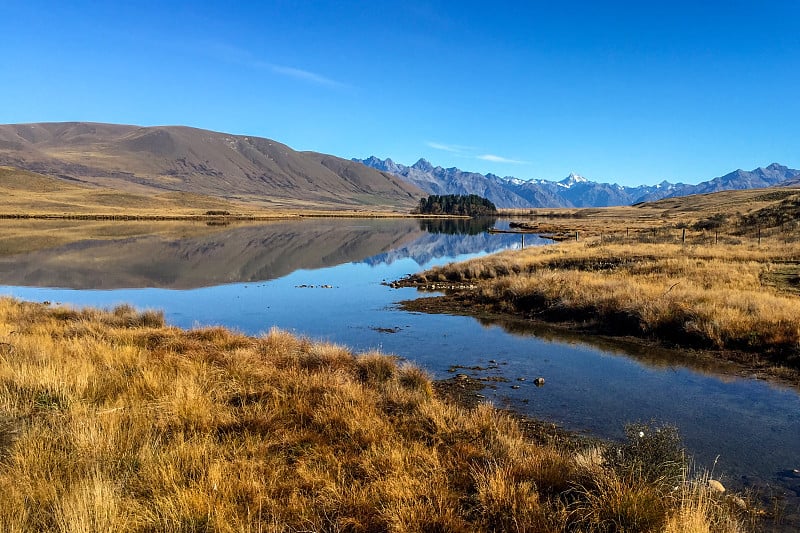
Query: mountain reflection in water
(453,238)
(238,254)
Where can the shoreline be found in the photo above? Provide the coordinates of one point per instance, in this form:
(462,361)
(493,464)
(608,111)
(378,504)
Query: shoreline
(736,303)
(148,414)
(222,218)
(466,391)
(721,362)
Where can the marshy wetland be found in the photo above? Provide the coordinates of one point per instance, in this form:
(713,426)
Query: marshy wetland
(328,280)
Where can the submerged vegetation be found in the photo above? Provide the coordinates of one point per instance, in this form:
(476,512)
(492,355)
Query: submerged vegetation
(112,421)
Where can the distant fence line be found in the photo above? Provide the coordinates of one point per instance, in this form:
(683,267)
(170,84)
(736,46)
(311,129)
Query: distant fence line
(655,235)
(689,236)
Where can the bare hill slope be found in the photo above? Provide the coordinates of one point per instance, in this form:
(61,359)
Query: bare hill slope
(183,159)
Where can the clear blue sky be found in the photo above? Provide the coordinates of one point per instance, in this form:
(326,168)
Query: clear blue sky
(631,92)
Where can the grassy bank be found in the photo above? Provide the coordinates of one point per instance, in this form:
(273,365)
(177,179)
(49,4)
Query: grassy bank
(112,421)
(30,195)
(740,298)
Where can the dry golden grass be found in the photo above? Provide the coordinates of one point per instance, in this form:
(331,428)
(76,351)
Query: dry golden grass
(750,207)
(111,421)
(28,194)
(701,510)
(721,297)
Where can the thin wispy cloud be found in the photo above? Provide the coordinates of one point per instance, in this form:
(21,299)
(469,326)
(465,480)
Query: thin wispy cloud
(239,56)
(452,148)
(470,152)
(304,75)
(498,159)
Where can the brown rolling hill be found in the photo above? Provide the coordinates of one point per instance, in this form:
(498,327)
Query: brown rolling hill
(177,159)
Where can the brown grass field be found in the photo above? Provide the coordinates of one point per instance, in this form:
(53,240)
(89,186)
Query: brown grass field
(25,194)
(719,272)
(112,421)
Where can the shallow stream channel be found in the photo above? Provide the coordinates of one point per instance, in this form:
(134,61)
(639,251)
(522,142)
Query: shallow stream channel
(327,279)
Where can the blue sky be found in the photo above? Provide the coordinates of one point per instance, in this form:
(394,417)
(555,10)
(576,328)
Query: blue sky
(629,92)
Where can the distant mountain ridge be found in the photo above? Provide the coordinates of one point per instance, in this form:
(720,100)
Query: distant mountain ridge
(153,160)
(438,180)
(572,191)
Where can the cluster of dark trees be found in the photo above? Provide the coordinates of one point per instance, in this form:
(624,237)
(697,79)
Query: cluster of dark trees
(456,204)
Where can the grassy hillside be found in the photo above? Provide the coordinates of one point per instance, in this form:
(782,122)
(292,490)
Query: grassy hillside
(24,192)
(155,160)
(736,212)
(111,421)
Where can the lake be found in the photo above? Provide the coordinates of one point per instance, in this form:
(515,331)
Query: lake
(324,278)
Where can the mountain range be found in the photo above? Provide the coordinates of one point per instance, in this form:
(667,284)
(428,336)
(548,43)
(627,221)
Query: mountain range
(119,166)
(154,160)
(572,191)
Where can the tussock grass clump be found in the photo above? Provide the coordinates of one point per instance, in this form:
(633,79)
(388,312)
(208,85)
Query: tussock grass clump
(112,421)
(650,452)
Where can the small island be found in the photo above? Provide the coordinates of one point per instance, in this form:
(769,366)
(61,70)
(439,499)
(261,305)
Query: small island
(470,205)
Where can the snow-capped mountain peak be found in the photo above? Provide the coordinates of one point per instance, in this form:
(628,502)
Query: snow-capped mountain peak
(572,179)
(572,191)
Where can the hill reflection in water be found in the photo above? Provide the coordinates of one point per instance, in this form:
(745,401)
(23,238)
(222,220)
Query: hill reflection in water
(195,256)
(453,238)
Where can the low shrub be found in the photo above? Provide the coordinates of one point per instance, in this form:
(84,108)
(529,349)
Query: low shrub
(651,453)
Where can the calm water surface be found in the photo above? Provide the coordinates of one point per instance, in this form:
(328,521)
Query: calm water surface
(323,279)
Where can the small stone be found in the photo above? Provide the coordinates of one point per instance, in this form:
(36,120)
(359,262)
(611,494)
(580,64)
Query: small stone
(493,361)
(538,382)
(462,376)
(514,386)
(520,379)
(716,485)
